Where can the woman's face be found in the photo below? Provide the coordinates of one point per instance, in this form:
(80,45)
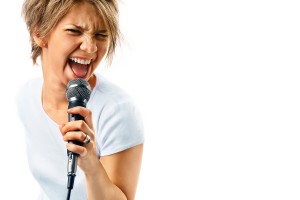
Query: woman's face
(76,45)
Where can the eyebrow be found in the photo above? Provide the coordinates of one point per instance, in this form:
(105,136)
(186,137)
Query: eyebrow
(102,31)
(98,31)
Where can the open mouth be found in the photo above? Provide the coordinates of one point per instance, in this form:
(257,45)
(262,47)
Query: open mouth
(79,66)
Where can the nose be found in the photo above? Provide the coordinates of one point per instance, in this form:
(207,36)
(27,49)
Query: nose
(89,44)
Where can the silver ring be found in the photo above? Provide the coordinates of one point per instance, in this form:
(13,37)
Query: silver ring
(87,139)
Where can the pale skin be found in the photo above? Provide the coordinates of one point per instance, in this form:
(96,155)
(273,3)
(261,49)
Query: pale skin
(80,34)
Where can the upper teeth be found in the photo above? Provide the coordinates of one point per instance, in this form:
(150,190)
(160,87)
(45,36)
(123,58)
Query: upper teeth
(81,61)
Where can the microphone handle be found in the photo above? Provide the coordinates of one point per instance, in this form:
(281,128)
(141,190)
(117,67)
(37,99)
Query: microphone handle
(75,117)
(72,157)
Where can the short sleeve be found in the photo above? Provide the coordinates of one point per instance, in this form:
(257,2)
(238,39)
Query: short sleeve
(120,128)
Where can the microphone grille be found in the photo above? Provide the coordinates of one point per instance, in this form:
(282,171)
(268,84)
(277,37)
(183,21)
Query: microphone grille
(78,89)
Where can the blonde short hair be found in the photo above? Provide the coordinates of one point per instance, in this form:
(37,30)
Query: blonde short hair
(41,16)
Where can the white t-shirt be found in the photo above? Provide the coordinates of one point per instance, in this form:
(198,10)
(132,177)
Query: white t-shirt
(117,126)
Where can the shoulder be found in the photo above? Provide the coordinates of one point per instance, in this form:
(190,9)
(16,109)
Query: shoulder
(112,102)
(27,93)
(112,96)
(29,87)
(119,124)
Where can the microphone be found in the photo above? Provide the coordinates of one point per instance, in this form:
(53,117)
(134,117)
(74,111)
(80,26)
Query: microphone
(78,93)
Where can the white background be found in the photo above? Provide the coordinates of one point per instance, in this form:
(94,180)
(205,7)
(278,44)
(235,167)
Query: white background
(217,83)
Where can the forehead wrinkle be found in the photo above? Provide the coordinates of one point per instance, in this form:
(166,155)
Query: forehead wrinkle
(93,21)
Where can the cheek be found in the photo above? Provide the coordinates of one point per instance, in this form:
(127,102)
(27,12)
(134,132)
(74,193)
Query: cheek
(103,47)
(60,49)
(102,50)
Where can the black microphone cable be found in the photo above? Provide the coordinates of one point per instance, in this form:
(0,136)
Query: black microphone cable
(69,194)
(78,93)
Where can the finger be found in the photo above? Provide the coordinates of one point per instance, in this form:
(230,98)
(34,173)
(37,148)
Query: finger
(61,127)
(77,126)
(84,112)
(75,135)
(77,149)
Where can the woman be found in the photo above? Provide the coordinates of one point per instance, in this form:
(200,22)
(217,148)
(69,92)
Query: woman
(71,37)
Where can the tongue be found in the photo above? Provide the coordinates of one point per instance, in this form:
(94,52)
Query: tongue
(79,69)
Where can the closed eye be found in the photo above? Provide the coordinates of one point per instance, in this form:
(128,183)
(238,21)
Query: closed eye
(75,31)
(101,35)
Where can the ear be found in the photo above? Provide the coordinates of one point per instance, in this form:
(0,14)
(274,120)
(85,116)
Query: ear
(38,40)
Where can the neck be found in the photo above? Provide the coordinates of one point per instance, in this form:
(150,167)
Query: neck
(54,97)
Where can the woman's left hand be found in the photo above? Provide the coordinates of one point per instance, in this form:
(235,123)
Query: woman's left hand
(77,130)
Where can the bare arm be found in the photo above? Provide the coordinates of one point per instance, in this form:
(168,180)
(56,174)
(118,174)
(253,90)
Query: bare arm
(122,169)
(113,177)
